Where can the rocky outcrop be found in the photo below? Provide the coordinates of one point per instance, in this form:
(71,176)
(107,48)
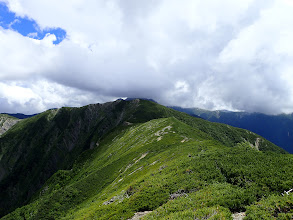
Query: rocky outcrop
(239,216)
(139,215)
(6,122)
(178,194)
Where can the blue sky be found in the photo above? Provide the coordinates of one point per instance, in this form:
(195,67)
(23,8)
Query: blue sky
(27,27)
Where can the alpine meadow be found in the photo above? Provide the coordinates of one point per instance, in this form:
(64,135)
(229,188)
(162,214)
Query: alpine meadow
(133,158)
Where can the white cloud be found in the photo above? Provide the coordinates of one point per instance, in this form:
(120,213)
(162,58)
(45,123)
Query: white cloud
(212,54)
(23,57)
(37,96)
(33,35)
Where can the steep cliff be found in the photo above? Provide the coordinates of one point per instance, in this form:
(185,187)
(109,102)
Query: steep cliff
(6,122)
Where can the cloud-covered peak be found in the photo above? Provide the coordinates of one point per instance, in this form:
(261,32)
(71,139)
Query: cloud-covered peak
(229,54)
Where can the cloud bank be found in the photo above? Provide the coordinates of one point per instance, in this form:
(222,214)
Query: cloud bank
(228,54)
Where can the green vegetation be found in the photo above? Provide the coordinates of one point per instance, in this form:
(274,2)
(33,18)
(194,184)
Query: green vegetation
(275,206)
(166,162)
(276,128)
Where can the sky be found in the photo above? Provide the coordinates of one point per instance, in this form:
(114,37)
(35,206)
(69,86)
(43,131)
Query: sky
(212,54)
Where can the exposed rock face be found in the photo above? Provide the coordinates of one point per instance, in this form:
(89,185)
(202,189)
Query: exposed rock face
(6,123)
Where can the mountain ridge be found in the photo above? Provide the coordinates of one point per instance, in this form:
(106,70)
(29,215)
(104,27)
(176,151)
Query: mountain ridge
(276,128)
(18,115)
(104,141)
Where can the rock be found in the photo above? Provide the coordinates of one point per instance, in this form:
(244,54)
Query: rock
(175,196)
(126,123)
(139,215)
(178,194)
(162,167)
(238,216)
(6,123)
(119,198)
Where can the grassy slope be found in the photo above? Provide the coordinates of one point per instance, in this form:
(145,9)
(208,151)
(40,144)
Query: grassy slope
(139,166)
(276,128)
(37,147)
(227,135)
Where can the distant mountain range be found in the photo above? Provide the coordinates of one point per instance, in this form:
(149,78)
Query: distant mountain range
(19,115)
(276,128)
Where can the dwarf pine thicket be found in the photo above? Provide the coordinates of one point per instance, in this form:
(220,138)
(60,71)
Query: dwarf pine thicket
(276,128)
(174,165)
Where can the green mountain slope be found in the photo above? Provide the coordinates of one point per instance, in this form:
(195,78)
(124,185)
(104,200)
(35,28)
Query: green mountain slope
(37,147)
(176,165)
(276,128)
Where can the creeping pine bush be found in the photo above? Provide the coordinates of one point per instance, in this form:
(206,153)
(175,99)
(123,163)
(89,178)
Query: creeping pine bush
(273,207)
